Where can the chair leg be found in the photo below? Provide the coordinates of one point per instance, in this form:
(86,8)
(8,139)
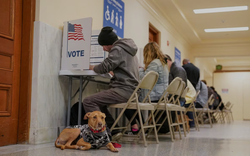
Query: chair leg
(200,116)
(169,124)
(210,119)
(183,124)
(150,130)
(178,122)
(223,117)
(156,136)
(232,116)
(196,121)
(118,118)
(142,128)
(129,122)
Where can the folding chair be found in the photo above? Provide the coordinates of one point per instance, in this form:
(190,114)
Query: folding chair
(192,108)
(227,111)
(169,102)
(148,82)
(206,109)
(218,113)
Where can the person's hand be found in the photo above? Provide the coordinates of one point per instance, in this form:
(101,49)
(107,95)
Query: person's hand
(91,67)
(111,73)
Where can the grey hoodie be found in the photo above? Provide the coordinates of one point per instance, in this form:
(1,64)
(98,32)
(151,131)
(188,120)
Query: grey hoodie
(123,62)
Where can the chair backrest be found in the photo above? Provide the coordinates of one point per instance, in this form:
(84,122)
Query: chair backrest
(209,101)
(173,86)
(219,106)
(179,92)
(185,92)
(171,90)
(148,82)
(192,102)
(231,106)
(180,89)
(228,104)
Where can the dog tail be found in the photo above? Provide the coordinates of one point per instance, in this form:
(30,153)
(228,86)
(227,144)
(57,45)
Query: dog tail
(56,143)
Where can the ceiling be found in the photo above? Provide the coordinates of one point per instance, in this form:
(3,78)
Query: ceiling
(191,26)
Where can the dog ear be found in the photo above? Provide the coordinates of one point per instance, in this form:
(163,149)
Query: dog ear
(104,115)
(86,116)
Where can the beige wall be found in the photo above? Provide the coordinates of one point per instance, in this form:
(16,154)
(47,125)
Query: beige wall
(207,67)
(137,18)
(239,90)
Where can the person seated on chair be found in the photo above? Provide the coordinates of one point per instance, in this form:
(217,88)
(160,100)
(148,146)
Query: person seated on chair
(203,95)
(211,92)
(219,98)
(175,70)
(123,62)
(188,99)
(154,60)
(193,73)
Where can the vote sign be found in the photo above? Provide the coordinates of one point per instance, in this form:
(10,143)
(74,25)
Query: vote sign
(76,44)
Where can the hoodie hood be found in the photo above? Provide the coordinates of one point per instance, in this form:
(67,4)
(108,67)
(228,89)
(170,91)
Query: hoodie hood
(128,45)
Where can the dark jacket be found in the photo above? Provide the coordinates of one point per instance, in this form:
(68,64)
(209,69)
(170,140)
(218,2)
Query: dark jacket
(123,62)
(177,71)
(193,73)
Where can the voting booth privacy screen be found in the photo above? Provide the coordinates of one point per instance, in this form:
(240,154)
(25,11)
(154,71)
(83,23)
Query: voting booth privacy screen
(76,44)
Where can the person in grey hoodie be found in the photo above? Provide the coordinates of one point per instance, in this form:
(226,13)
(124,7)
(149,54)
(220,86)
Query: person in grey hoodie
(122,61)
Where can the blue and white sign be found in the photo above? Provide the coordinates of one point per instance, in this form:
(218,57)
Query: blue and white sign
(177,56)
(113,16)
(76,44)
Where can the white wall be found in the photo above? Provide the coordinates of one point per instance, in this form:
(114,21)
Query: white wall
(48,100)
(49,91)
(239,90)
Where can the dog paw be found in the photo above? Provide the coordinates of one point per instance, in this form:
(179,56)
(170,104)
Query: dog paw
(114,150)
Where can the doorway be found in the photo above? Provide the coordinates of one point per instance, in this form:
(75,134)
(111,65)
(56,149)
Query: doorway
(154,34)
(16,31)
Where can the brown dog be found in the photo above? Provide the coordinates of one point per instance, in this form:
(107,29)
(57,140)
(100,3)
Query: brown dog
(84,137)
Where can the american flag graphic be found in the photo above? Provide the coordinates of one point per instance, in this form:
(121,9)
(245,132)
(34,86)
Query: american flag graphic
(75,32)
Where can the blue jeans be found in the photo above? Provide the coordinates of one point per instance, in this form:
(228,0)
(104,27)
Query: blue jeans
(190,115)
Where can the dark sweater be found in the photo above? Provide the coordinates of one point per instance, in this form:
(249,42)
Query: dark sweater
(177,71)
(123,62)
(193,73)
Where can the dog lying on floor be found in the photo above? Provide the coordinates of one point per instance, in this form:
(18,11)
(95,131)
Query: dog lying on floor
(84,137)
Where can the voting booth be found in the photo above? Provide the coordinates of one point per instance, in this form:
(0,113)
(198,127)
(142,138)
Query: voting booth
(79,50)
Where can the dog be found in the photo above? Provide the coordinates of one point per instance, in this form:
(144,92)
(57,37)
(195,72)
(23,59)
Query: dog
(186,118)
(84,137)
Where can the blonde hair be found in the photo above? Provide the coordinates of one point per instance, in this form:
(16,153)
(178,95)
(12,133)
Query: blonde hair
(152,51)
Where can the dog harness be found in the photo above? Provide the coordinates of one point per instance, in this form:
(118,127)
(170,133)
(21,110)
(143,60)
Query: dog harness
(95,138)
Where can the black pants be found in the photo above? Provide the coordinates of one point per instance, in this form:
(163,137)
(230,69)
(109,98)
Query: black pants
(197,105)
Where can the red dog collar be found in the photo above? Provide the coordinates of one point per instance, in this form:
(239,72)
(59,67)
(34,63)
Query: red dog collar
(97,131)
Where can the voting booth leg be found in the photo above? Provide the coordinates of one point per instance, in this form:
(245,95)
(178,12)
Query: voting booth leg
(69,100)
(80,102)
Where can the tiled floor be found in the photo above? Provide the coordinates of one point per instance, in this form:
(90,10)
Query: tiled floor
(221,140)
